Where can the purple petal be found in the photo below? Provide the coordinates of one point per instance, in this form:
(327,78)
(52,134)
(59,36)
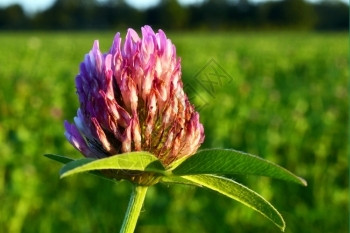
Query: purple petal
(74,137)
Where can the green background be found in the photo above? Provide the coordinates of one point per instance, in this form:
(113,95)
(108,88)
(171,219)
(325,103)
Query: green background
(283,96)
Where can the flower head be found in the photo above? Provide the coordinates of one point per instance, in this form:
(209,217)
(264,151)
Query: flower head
(132,99)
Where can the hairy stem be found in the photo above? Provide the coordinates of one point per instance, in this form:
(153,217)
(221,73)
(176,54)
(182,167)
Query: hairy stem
(135,204)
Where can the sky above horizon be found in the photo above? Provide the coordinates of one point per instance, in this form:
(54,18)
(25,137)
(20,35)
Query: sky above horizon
(31,6)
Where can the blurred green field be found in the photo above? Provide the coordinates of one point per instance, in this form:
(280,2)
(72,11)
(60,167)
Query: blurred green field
(280,95)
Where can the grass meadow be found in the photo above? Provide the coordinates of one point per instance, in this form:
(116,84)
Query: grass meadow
(280,95)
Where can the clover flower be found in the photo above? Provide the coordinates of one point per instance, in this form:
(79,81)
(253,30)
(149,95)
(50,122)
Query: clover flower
(132,99)
(136,123)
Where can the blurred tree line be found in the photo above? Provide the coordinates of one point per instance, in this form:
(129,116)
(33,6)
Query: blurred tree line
(169,14)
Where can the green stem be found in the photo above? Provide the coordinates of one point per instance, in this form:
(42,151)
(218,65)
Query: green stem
(135,204)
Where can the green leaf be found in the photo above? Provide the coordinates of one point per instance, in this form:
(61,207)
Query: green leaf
(178,180)
(59,158)
(241,194)
(64,159)
(137,161)
(232,162)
